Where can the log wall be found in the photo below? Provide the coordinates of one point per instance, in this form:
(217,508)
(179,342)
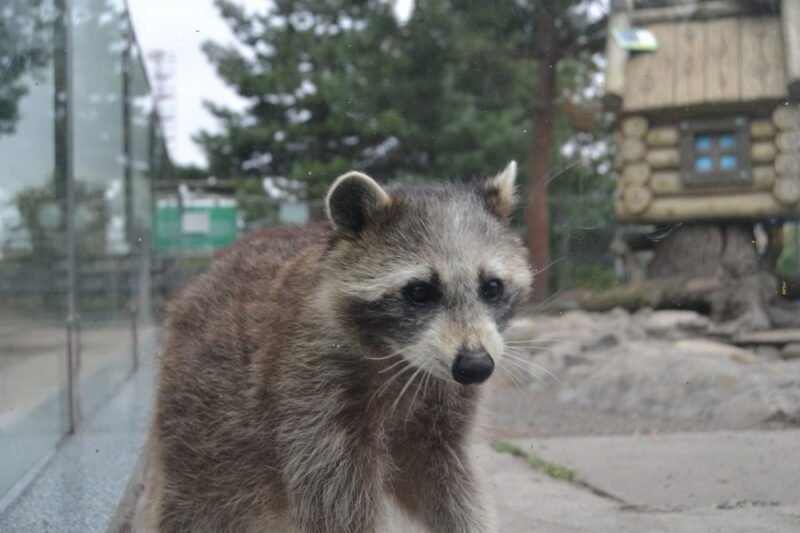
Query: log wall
(652,189)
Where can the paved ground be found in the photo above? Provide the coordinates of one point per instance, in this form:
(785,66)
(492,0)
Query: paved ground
(529,501)
(683,483)
(78,489)
(685,470)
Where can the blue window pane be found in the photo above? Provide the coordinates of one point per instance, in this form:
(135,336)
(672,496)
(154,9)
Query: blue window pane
(703,164)
(702,142)
(727,141)
(728,162)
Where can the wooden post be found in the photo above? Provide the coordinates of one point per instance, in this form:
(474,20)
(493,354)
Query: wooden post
(787,190)
(633,150)
(787,117)
(790,19)
(538,216)
(788,141)
(616,59)
(787,164)
(636,174)
(635,127)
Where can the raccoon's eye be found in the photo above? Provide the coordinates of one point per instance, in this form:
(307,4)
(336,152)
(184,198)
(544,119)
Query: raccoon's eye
(421,293)
(492,289)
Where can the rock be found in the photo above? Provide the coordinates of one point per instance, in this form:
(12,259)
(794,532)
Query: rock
(790,351)
(717,349)
(524,328)
(603,341)
(768,353)
(571,360)
(673,324)
(690,379)
(772,336)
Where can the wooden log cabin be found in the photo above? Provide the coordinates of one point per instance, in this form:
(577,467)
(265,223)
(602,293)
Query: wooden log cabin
(709,123)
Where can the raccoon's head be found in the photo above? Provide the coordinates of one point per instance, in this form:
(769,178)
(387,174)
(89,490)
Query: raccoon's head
(428,274)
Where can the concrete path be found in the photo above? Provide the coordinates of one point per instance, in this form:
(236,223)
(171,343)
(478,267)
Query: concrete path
(78,490)
(744,482)
(732,482)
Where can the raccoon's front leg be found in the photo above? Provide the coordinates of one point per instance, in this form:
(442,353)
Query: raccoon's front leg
(442,490)
(334,481)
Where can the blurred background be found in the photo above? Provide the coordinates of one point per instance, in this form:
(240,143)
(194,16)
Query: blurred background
(659,151)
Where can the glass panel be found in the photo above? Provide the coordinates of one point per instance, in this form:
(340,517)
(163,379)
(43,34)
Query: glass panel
(141,110)
(703,164)
(108,265)
(727,141)
(702,142)
(33,269)
(728,162)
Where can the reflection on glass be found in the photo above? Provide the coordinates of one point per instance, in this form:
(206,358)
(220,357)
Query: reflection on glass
(33,274)
(107,267)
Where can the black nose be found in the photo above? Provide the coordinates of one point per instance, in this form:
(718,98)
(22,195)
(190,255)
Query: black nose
(472,367)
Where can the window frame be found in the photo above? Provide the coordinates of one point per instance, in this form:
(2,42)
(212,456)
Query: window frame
(739,127)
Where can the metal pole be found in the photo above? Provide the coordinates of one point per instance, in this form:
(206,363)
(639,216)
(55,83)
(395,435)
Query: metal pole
(130,223)
(65,185)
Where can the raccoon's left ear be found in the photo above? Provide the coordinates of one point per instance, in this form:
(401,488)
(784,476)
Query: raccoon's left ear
(353,200)
(500,192)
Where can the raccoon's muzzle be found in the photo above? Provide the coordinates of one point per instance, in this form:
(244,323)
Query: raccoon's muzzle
(472,367)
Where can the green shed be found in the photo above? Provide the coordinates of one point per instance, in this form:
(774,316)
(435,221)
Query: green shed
(199,224)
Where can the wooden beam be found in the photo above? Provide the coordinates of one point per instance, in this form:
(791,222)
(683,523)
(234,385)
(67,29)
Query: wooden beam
(688,83)
(761,130)
(663,136)
(775,336)
(616,60)
(762,71)
(722,66)
(741,206)
(790,21)
(703,11)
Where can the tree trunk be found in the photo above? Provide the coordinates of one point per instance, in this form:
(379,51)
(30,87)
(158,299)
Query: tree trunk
(710,267)
(537,212)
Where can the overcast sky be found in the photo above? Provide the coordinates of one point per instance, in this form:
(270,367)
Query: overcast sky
(180,27)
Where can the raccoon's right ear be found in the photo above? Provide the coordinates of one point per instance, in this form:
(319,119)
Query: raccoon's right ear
(353,199)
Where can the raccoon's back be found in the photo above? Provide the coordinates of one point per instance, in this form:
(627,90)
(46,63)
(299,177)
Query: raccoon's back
(247,301)
(242,281)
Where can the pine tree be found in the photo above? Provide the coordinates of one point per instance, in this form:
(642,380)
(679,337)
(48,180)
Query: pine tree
(459,89)
(310,75)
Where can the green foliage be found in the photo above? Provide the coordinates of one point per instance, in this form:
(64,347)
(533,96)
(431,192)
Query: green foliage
(788,261)
(190,173)
(339,84)
(25,49)
(41,224)
(593,276)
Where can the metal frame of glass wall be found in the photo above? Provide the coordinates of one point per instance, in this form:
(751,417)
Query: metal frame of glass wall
(82,144)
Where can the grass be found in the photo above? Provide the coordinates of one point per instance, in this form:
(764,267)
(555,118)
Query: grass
(537,463)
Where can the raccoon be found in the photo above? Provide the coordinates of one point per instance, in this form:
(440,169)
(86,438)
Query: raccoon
(315,376)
